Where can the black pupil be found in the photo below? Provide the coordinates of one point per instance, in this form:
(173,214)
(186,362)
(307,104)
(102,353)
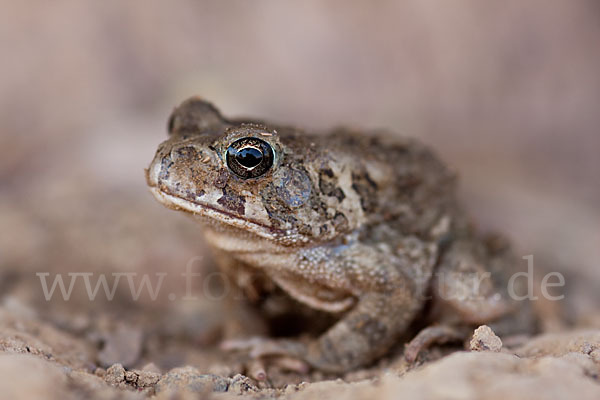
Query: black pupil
(249,157)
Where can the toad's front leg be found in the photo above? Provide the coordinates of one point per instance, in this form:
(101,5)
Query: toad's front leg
(365,333)
(388,285)
(392,283)
(361,336)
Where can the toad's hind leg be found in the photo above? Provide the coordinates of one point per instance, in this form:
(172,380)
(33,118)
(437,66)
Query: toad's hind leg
(472,283)
(470,288)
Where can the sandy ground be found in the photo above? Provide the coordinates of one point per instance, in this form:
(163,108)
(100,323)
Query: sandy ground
(507,94)
(39,360)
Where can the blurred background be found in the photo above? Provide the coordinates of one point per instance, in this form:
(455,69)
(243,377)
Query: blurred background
(507,92)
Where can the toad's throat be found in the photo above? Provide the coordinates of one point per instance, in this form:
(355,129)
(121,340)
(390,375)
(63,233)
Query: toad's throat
(223,216)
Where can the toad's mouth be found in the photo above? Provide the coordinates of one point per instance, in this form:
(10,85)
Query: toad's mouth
(210,212)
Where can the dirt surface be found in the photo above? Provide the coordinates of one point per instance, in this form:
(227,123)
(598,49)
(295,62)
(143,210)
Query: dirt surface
(39,360)
(506,92)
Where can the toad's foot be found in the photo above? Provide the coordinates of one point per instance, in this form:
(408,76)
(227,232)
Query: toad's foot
(438,334)
(286,354)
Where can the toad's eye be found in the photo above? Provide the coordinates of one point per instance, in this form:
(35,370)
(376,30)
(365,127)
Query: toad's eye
(249,157)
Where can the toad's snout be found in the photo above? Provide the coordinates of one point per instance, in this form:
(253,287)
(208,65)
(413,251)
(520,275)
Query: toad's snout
(159,167)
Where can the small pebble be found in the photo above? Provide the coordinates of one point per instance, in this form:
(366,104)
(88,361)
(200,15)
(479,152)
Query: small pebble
(484,339)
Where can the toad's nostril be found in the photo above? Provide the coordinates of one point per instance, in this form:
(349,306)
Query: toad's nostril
(185,153)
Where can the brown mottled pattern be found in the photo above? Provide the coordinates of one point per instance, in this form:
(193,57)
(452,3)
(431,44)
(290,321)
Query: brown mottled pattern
(328,184)
(232,201)
(342,222)
(366,189)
